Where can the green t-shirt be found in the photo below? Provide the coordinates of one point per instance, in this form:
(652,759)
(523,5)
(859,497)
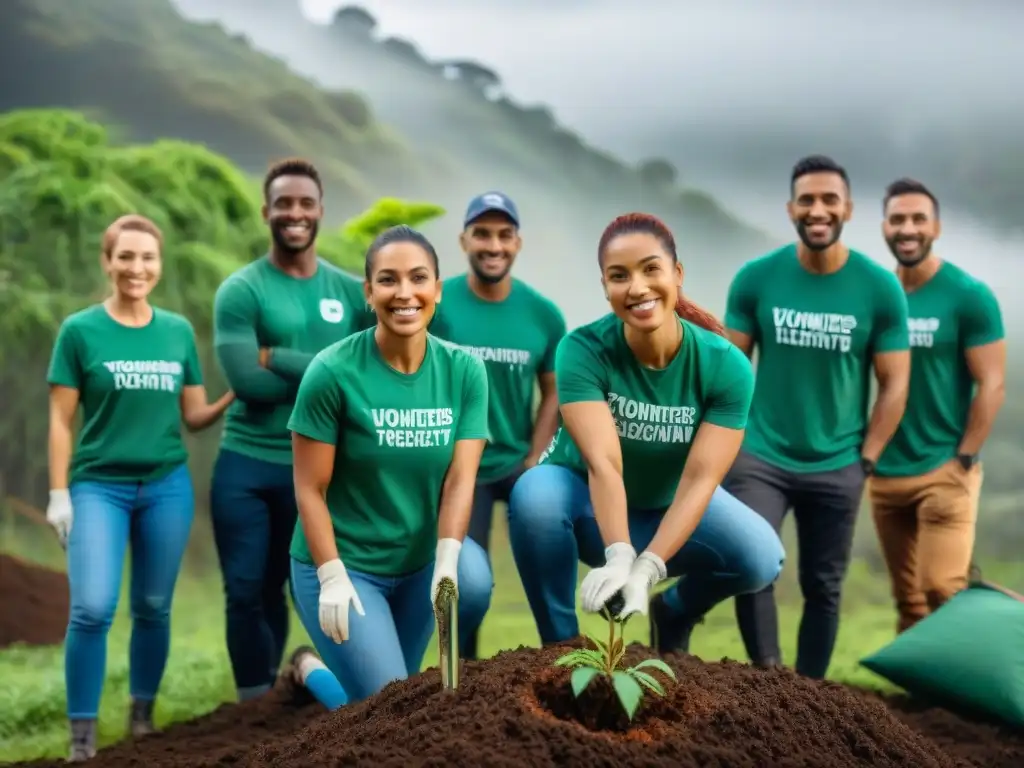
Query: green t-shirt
(516,338)
(949,314)
(129,383)
(816,337)
(657,412)
(261,306)
(395,435)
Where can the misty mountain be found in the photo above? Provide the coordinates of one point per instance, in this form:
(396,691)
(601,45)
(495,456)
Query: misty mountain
(149,73)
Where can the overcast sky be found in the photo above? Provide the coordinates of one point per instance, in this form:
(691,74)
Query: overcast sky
(613,66)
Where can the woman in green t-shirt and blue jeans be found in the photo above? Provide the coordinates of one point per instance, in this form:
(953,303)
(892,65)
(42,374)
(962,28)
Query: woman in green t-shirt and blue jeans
(653,400)
(387,432)
(124,480)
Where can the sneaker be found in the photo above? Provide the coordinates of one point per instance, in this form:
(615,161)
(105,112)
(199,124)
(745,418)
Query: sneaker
(81,752)
(140,719)
(293,670)
(670,632)
(83,741)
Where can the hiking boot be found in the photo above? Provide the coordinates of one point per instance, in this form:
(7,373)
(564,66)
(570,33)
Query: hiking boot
(83,741)
(140,719)
(670,632)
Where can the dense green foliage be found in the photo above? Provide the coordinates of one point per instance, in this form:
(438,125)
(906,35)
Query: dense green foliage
(193,81)
(62,181)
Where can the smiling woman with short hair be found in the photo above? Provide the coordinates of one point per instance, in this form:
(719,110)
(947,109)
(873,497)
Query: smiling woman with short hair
(124,480)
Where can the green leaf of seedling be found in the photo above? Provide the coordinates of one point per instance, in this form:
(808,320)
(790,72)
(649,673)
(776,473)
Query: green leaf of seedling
(629,692)
(657,664)
(581,657)
(581,679)
(602,647)
(648,682)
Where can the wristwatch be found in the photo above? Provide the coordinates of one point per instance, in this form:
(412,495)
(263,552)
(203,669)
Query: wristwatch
(867,465)
(967,460)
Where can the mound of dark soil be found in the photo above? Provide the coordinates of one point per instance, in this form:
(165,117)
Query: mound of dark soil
(33,603)
(509,711)
(966,736)
(513,710)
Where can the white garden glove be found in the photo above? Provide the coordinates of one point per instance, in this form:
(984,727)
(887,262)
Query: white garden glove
(648,569)
(336,596)
(446,565)
(60,515)
(601,584)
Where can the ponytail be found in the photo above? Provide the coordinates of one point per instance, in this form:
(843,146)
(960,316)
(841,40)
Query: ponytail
(687,310)
(645,222)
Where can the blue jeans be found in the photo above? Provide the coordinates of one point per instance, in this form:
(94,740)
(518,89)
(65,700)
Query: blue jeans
(389,642)
(252,505)
(156,518)
(551,524)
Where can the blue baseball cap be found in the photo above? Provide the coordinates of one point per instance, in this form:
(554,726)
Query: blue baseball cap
(491,201)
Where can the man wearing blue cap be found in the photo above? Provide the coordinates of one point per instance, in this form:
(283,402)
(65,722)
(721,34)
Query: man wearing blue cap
(515,331)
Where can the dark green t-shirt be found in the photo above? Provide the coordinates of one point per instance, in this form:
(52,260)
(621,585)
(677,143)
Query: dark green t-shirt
(657,412)
(816,337)
(395,436)
(949,314)
(129,383)
(261,306)
(516,338)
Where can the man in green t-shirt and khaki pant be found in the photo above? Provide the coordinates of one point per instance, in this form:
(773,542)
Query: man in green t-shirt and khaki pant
(924,495)
(515,331)
(824,319)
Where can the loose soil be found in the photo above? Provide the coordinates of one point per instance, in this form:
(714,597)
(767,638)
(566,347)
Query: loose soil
(513,710)
(33,603)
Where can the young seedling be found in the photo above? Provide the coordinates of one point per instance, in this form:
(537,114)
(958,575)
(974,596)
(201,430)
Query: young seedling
(605,660)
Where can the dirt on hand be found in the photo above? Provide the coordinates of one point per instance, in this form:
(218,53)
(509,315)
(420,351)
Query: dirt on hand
(513,710)
(33,603)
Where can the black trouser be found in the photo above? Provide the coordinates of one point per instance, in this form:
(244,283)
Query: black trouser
(484,498)
(252,503)
(825,505)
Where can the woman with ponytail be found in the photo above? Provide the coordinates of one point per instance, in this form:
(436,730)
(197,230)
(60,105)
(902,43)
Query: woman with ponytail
(653,402)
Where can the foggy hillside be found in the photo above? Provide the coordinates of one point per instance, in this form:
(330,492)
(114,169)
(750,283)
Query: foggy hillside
(197,82)
(735,135)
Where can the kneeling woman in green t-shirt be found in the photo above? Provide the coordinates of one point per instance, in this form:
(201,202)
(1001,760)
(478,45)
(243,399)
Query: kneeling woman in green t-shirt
(654,401)
(387,432)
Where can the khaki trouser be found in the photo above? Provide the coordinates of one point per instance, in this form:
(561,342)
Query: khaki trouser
(926,527)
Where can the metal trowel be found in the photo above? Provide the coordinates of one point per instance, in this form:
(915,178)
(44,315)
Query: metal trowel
(446,612)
